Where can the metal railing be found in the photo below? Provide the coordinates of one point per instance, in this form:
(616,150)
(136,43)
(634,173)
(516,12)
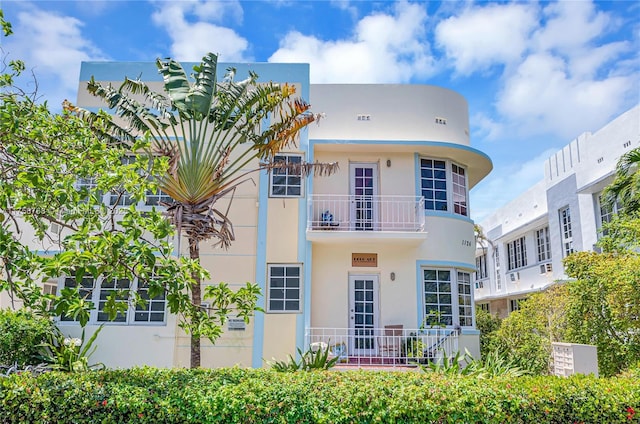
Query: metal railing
(365,213)
(384,346)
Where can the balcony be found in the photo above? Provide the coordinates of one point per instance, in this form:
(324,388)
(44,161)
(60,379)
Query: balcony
(349,217)
(392,346)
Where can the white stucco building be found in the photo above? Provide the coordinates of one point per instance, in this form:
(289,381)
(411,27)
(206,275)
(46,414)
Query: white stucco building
(386,243)
(530,236)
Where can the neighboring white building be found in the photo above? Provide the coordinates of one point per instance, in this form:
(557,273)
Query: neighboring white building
(530,236)
(344,260)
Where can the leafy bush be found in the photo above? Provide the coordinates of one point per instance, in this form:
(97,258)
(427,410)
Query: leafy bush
(147,395)
(70,354)
(21,333)
(488,325)
(316,358)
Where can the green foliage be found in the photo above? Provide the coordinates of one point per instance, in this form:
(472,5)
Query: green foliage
(487,324)
(494,364)
(525,336)
(43,156)
(70,354)
(20,334)
(315,358)
(605,305)
(625,188)
(147,395)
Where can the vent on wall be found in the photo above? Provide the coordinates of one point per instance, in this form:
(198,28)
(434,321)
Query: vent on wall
(514,276)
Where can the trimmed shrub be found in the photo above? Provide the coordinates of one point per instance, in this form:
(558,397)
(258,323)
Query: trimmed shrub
(147,395)
(21,333)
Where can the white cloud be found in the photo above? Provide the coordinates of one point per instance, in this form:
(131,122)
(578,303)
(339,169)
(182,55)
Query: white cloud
(384,48)
(52,46)
(570,26)
(485,127)
(192,40)
(543,98)
(484,36)
(558,78)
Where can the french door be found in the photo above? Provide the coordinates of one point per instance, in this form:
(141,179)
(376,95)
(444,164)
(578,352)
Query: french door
(364,191)
(363,314)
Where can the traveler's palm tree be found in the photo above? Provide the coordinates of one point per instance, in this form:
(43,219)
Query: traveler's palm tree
(625,188)
(212,133)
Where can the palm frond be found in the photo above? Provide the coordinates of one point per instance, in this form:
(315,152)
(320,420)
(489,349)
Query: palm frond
(176,84)
(101,125)
(202,92)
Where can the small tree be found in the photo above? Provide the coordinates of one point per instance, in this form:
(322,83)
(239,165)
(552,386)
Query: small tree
(605,297)
(525,336)
(54,175)
(212,134)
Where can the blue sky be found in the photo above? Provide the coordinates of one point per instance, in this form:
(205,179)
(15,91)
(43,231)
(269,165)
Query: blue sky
(536,74)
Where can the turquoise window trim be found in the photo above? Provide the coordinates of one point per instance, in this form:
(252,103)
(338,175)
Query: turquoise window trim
(420,264)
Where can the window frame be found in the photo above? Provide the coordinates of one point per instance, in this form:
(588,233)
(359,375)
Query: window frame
(543,244)
(94,294)
(285,173)
(566,231)
(481,267)
(517,253)
(455,293)
(455,199)
(285,288)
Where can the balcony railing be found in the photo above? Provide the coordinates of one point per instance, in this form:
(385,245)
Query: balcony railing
(365,213)
(388,346)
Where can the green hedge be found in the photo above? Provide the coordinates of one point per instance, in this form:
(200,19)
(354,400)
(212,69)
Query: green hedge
(20,334)
(147,395)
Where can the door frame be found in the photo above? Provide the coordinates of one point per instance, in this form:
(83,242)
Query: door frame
(376,191)
(354,339)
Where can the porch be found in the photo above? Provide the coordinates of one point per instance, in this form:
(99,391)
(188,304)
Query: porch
(389,346)
(372,216)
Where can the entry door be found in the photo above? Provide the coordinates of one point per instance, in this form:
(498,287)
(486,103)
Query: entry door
(364,191)
(363,313)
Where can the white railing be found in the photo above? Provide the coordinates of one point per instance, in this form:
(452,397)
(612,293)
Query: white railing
(384,346)
(365,213)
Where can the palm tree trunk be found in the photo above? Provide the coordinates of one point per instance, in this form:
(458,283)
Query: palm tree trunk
(196,299)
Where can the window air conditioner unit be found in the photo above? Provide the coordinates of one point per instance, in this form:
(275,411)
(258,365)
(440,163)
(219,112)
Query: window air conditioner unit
(546,268)
(514,276)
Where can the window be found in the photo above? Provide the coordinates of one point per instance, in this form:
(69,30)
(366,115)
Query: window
(465,313)
(514,304)
(565,231)
(119,286)
(286,182)
(154,308)
(459,181)
(496,259)
(433,181)
(284,288)
(433,185)
(98,291)
(483,307)
(543,244)
(481,267)
(155,197)
(606,214)
(516,254)
(437,294)
(447,294)
(85,289)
